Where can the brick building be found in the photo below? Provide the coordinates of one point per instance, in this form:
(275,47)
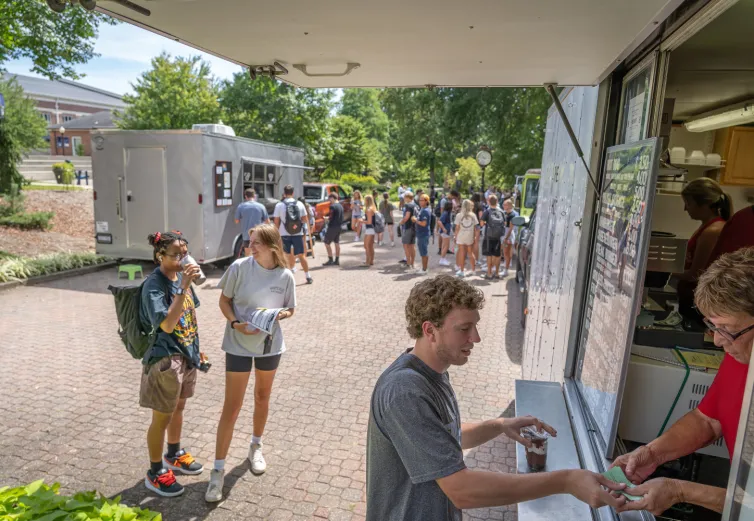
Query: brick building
(62,101)
(78,132)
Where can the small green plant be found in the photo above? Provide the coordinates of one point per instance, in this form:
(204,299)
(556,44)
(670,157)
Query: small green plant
(38,501)
(79,149)
(13,202)
(64,173)
(54,188)
(28,221)
(19,268)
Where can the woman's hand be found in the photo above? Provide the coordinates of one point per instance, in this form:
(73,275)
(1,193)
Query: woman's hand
(244,328)
(284,314)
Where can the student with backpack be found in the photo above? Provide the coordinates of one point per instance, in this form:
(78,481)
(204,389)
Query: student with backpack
(261,281)
(290,216)
(445,229)
(168,309)
(495,225)
(386,209)
(410,212)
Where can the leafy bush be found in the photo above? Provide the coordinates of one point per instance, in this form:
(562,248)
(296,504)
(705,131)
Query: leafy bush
(28,221)
(38,501)
(19,268)
(13,202)
(64,173)
(359,182)
(54,188)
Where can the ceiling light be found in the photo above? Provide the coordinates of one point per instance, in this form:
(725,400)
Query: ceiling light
(736,115)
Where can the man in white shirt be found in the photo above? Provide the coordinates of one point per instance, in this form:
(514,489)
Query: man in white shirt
(401,191)
(290,216)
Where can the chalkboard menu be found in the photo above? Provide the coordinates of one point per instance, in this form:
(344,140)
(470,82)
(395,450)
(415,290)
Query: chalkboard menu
(615,281)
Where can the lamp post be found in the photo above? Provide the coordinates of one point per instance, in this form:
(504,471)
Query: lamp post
(61,131)
(483,159)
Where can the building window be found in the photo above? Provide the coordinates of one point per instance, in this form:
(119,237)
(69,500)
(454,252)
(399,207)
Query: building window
(68,118)
(47,116)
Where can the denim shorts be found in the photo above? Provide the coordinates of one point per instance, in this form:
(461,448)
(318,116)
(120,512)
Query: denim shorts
(422,242)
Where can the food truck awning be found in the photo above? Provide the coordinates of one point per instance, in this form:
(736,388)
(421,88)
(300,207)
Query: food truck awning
(272,162)
(403,43)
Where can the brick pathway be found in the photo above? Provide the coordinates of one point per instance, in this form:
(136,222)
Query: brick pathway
(69,393)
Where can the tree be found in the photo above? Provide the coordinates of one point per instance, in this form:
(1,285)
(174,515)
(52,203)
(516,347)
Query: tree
(22,120)
(269,110)
(363,105)
(347,151)
(469,172)
(10,156)
(54,42)
(175,93)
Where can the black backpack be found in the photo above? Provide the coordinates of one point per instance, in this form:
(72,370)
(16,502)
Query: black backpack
(131,330)
(495,223)
(292,218)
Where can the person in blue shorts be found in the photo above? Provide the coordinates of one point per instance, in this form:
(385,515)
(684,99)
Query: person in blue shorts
(423,230)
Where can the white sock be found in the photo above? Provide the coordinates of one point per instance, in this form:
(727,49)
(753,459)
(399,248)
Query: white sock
(219,464)
(256,440)
(306,273)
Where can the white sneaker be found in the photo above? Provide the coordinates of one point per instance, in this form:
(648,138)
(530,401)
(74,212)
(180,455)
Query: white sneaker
(458,268)
(444,262)
(422,272)
(258,464)
(504,273)
(469,273)
(294,269)
(459,274)
(392,244)
(215,487)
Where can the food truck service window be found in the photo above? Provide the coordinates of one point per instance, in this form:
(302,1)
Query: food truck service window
(615,283)
(739,501)
(262,178)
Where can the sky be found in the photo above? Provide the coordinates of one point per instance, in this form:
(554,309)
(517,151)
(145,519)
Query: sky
(120,65)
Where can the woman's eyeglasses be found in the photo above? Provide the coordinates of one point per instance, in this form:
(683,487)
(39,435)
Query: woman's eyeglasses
(176,256)
(732,337)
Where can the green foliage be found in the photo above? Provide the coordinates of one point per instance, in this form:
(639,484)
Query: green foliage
(38,501)
(469,172)
(12,202)
(54,188)
(28,221)
(347,147)
(79,149)
(19,268)
(269,110)
(10,155)
(25,124)
(363,105)
(64,173)
(54,42)
(173,94)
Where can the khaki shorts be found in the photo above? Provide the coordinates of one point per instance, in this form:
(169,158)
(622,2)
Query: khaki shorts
(165,382)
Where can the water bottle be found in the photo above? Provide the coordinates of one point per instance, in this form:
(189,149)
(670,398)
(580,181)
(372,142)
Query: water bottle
(188,259)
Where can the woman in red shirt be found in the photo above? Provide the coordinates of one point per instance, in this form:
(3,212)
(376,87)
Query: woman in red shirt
(725,295)
(704,201)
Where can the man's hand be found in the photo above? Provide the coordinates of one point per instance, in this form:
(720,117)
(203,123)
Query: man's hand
(511,428)
(659,495)
(587,486)
(190,274)
(637,465)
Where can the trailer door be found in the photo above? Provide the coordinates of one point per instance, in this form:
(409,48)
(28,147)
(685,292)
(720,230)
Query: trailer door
(144,194)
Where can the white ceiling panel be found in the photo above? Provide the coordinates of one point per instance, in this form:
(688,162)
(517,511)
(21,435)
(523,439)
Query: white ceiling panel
(412,42)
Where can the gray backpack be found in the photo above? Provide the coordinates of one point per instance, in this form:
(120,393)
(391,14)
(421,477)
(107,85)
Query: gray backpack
(496,224)
(378,220)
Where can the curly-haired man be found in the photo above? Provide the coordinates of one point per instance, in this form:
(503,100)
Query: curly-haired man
(415,438)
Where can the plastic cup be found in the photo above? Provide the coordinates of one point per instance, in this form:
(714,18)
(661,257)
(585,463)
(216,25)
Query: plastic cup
(188,259)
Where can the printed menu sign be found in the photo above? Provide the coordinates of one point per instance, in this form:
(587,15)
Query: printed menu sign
(616,280)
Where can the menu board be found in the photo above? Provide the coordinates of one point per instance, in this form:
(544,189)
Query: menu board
(615,281)
(223,183)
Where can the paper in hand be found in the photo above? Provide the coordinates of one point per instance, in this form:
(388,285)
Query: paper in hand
(616,474)
(264,319)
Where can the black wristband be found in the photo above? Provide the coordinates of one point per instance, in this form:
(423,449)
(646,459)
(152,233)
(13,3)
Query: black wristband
(234,322)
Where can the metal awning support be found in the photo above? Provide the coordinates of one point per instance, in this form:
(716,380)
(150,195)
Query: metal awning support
(273,162)
(550,88)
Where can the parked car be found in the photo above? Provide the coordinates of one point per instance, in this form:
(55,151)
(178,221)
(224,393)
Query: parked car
(316,194)
(524,245)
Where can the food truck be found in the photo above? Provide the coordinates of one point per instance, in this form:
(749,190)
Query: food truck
(638,80)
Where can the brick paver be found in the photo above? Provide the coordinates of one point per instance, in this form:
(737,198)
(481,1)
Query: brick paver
(69,409)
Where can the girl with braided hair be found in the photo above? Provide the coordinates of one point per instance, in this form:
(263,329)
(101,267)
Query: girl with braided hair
(168,305)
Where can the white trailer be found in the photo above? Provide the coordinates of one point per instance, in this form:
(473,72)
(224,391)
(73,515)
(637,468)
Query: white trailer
(188,180)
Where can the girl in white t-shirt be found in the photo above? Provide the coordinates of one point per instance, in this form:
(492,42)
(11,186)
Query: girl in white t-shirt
(260,281)
(465,229)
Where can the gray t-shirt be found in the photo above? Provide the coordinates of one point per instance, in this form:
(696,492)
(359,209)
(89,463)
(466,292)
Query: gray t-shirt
(251,214)
(281,214)
(251,286)
(413,439)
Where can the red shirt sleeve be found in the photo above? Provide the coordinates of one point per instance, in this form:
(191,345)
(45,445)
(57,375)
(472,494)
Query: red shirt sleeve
(708,405)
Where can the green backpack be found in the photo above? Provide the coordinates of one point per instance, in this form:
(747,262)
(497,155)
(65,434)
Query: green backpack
(131,330)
